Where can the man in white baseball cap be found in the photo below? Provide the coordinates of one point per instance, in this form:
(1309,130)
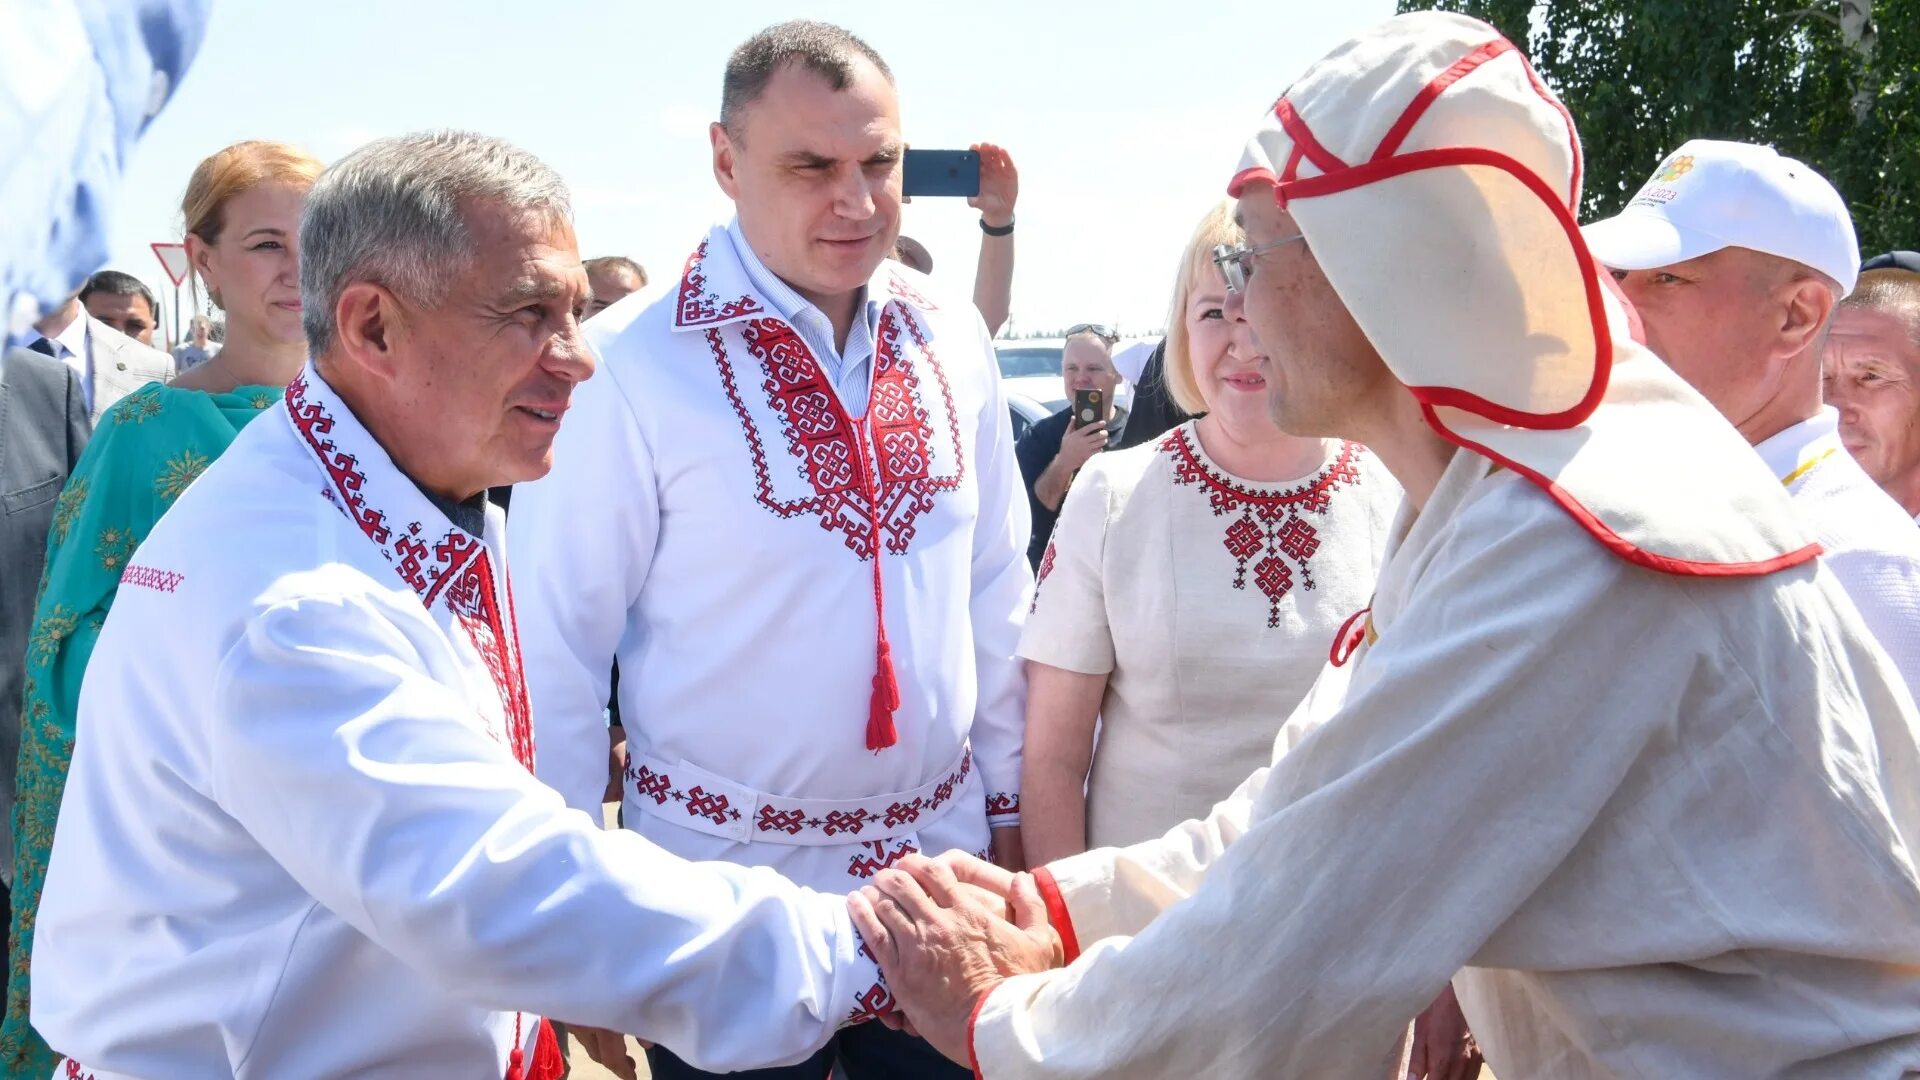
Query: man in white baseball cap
(1735,257)
(1609,756)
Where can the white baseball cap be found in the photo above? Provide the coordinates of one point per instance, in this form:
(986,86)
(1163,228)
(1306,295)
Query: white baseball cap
(1709,195)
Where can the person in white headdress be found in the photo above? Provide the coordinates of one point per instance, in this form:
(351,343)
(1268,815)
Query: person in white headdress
(1612,753)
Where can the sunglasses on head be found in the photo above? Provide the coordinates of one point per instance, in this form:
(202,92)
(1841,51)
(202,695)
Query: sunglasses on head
(1105,333)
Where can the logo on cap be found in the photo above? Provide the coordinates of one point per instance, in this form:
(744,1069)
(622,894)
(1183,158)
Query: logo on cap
(1674,169)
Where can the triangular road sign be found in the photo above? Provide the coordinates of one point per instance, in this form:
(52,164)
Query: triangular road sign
(173,258)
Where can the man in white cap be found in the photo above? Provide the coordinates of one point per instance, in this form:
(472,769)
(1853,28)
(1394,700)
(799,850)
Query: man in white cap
(1613,753)
(1734,257)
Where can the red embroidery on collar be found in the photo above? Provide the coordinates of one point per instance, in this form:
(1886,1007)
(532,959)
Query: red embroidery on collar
(697,306)
(828,444)
(456,568)
(904,291)
(1265,524)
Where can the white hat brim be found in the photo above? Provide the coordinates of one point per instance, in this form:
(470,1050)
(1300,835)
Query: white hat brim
(1632,240)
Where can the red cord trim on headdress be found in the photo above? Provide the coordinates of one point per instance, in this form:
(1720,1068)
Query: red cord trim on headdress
(1292,171)
(1303,139)
(1453,397)
(1573,134)
(1247,176)
(1613,541)
(1417,108)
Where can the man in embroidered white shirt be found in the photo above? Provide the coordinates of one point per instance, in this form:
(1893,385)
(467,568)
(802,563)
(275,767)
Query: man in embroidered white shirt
(1735,257)
(788,507)
(302,836)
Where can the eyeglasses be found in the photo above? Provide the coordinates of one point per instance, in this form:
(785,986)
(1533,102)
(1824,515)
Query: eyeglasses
(1236,264)
(1095,329)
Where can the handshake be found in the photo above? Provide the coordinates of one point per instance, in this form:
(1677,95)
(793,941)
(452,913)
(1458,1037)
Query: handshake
(945,931)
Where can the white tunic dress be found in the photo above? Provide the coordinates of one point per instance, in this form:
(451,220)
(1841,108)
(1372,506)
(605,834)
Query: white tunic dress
(1660,825)
(299,838)
(721,522)
(1211,604)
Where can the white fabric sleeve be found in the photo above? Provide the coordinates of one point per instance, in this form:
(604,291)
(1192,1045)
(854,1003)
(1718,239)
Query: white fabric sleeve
(580,542)
(1383,850)
(1885,588)
(1002,592)
(1068,627)
(370,784)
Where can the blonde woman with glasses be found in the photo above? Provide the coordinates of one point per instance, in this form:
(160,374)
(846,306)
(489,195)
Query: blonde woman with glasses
(1192,589)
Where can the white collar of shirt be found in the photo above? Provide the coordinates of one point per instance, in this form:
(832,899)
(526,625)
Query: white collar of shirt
(73,340)
(813,325)
(1794,452)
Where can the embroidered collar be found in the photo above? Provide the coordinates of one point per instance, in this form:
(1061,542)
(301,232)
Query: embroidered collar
(425,548)
(716,290)
(1225,491)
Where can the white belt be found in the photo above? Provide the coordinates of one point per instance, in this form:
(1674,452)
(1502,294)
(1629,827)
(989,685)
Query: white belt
(691,797)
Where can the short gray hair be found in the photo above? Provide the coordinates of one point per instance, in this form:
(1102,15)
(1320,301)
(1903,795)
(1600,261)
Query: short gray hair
(392,212)
(822,48)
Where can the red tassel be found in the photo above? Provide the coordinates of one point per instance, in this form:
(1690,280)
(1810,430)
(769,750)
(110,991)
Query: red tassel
(516,1068)
(548,1062)
(886,698)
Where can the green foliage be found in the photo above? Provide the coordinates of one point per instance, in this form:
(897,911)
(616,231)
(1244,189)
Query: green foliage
(1809,77)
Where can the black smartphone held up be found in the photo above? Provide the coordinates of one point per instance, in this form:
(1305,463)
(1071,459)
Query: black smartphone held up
(941,172)
(1089,407)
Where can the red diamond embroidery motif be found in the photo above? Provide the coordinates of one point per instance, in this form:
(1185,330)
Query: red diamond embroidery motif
(1243,539)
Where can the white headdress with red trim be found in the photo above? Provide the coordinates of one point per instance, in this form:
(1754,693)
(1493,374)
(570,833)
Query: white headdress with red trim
(1436,180)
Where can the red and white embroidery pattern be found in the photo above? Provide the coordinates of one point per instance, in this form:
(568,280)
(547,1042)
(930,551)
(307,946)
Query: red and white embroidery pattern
(885,470)
(874,1003)
(1265,530)
(1001,803)
(148,577)
(699,802)
(792,819)
(457,563)
(854,480)
(864,866)
(697,306)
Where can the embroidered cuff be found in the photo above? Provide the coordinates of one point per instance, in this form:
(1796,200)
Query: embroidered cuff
(1003,809)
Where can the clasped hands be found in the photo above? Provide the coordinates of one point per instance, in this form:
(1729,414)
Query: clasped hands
(947,930)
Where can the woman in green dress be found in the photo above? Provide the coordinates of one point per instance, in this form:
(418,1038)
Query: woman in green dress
(242,213)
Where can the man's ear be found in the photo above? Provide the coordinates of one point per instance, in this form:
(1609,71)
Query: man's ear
(724,154)
(1809,304)
(367,327)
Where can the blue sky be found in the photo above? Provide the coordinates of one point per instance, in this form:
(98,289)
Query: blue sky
(1124,118)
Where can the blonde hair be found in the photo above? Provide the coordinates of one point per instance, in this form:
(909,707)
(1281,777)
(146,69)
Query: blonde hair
(1216,228)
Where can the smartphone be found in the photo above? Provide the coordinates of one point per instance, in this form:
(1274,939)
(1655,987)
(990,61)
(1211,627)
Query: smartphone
(1089,407)
(941,172)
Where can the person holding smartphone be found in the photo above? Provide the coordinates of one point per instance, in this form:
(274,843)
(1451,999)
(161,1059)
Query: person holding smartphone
(1055,449)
